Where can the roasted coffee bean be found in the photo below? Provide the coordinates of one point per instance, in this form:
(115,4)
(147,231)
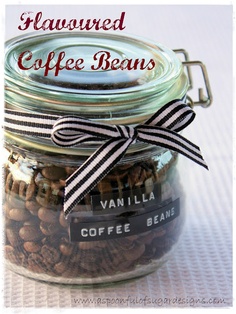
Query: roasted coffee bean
(14,201)
(104,186)
(32,247)
(61,267)
(122,243)
(32,207)
(13,237)
(127,265)
(6,210)
(39,179)
(15,187)
(10,254)
(116,175)
(136,176)
(15,256)
(66,248)
(132,237)
(36,264)
(70,170)
(44,193)
(50,254)
(76,258)
(57,188)
(72,271)
(22,189)
(135,252)
(47,215)
(55,241)
(19,214)
(160,232)
(54,173)
(63,222)
(91,263)
(30,233)
(146,238)
(48,228)
(9,183)
(8,222)
(107,262)
(30,191)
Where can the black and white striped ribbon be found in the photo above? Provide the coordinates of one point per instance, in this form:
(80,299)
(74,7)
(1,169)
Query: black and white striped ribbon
(67,131)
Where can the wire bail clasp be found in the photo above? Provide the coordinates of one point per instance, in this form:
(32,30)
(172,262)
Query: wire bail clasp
(204,94)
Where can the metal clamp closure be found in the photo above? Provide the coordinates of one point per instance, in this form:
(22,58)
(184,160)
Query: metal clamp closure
(204,98)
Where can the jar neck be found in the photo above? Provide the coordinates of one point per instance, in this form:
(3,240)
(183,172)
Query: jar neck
(39,130)
(125,111)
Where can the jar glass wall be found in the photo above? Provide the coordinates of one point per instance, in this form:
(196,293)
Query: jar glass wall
(131,219)
(124,228)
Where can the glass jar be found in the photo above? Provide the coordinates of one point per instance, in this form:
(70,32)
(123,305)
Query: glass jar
(131,219)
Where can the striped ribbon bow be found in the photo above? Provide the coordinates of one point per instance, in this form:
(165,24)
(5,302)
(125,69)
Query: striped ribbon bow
(160,129)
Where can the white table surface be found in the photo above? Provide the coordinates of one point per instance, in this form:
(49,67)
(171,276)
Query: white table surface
(200,271)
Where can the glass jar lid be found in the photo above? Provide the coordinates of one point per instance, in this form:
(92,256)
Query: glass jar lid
(103,76)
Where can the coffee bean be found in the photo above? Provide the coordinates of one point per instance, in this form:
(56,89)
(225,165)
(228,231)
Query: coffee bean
(135,252)
(146,238)
(8,222)
(30,233)
(48,228)
(12,255)
(9,253)
(61,267)
(32,247)
(9,183)
(47,215)
(44,193)
(57,188)
(19,214)
(15,187)
(15,201)
(104,186)
(70,170)
(123,243)
(54,173)
(36,264)
(30,191)
(71,272)
(32,207)
(13,237)
(63,222)
(22,190)
(50,254)
(66,248)
(90,263)
(160,232)
(127,265)
(6,210)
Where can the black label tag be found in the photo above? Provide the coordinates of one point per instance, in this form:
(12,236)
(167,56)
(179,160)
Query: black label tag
(123,225)
(126,200)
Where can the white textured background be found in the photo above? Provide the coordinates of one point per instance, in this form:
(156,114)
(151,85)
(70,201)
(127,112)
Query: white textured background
(201,268)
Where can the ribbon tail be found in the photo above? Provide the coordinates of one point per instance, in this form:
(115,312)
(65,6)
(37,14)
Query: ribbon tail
(93,170)
(173,141)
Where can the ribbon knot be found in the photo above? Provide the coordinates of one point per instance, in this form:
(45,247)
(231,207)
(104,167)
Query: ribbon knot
(128,132)
(160,129)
